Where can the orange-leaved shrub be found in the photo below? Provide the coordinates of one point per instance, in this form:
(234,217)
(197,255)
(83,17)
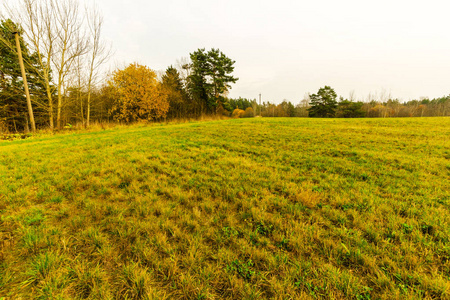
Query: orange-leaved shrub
(237,113)
(138,94)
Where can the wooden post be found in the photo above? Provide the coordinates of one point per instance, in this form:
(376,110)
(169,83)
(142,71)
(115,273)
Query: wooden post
(25,83)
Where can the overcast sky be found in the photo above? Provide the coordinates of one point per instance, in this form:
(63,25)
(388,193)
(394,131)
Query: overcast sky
(285,48)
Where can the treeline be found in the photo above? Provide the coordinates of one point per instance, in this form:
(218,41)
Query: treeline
(194,88)
(64,57)
(324,104)
(64,54)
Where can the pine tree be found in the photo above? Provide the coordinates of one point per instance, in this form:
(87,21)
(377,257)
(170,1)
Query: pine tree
(13,107)
(323,104)
(172,83)
(350,109)
(211,78)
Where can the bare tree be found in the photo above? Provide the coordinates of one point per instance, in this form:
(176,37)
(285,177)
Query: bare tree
(99,54)
(302,107)
(30,15)
(351,96)
(183,67)
(54,30)
(78,82)
(71,42)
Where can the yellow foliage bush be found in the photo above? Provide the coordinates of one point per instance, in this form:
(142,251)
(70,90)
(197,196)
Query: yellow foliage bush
(139,94)
(249,113)
(237,113)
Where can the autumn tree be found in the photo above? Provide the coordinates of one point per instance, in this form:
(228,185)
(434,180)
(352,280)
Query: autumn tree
(139,95)
(288,108)
(238,113)
(249,113)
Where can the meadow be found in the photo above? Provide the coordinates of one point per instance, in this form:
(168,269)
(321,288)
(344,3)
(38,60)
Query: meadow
(237,209)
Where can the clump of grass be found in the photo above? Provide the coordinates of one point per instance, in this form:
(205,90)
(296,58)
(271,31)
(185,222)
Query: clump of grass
(243,268)
(134,283)
(87,280)
(32,239)
(41,267)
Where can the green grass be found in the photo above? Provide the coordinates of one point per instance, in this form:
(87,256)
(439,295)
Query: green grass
(242,209)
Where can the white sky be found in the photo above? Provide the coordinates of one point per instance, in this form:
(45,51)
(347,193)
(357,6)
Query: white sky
(287,48)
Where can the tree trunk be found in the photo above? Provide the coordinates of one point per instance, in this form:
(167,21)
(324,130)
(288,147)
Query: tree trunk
(81,107)
(50,115)
(58,111)
(88,113)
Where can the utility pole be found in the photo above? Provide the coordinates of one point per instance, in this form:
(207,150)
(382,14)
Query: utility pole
(25,83)
(260,107)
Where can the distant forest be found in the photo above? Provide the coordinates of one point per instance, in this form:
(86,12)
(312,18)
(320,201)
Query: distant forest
(345,108)
(64,58)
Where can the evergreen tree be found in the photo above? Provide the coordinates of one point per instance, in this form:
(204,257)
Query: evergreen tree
(350,109)
(240,103)
(323,104)
(177,97)
(211,78)
(13,105)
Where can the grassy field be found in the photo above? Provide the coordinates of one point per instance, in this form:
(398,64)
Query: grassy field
(242,209)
